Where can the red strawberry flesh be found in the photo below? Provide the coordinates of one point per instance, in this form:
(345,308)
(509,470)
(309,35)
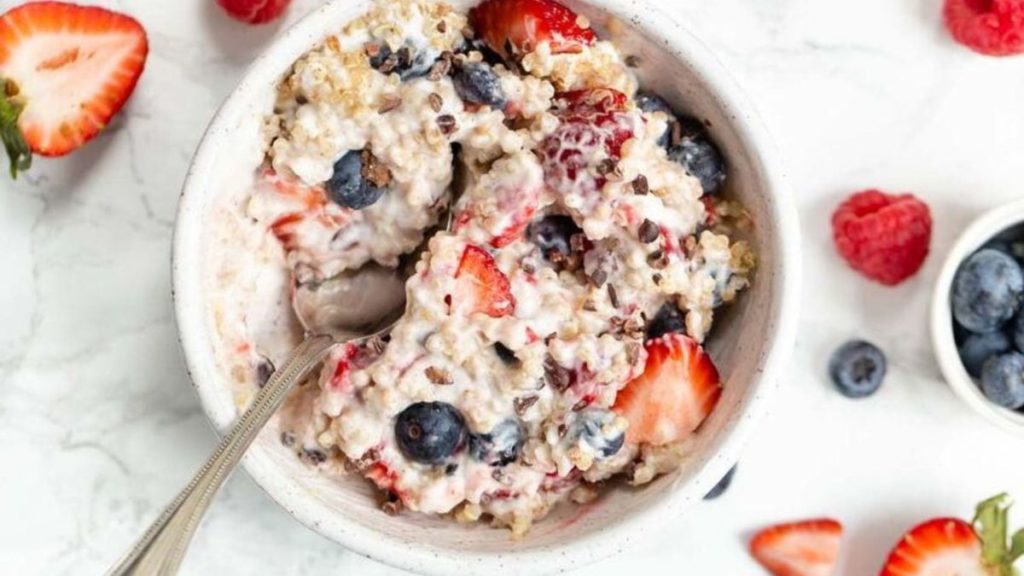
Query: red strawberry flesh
(69,69)
(677,390)
(515,27)
(938,546)
(481,286)
(804,548)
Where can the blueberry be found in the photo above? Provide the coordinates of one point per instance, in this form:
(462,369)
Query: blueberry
(857,369)
(1017,332)
(987,291)
(589,426)
(552,234)
(651,102)
(722,485)
(668,319)
(507,356)
(1002,380)
(347,186)
(430,432)
(701,159)
(977,348)
(476,82)
(500,446)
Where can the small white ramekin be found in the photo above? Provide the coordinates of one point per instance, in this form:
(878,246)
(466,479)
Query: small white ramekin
(751,343)
(989,225)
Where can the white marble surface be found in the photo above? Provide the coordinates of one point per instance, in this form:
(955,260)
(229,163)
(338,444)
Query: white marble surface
(99,427)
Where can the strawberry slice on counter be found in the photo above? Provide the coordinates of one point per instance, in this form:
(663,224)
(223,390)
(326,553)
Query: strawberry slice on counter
(805,548)
(677,390)
(481,286)
(65,71)
(951,546)
(515,27)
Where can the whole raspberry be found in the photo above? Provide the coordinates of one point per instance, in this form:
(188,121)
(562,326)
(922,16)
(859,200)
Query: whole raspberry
(254,11)
(883,236)
(992,27)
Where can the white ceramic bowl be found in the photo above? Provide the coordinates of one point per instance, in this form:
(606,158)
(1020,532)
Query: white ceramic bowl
(751,342)
(988,226)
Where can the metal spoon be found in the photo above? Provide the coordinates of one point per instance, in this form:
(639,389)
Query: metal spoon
(353,306)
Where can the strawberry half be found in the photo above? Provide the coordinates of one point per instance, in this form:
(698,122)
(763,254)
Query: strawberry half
(805,548)
(66,70)
(481,286)
(951,546)
(677,390)
(514,27)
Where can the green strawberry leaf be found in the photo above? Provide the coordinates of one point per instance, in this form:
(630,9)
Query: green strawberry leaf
(990,524)
(14,142)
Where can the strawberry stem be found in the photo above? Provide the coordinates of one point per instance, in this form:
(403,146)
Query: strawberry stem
(14,142)
(991,526)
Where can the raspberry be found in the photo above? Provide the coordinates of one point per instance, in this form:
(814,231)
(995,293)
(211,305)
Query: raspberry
(254,11)
(883,236)
(992,27)
(586,146)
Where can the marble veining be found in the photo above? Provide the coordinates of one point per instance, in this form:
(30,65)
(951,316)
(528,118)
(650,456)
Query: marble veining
(99,426)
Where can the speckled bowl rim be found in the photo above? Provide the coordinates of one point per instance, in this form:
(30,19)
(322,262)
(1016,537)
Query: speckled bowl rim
(780,332)
(980,231)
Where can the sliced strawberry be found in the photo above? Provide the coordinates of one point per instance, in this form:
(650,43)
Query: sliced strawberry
(594,124)
(951,546)
(66,71)
(515,27)
(806,548)
(677,390)
(481,286)
(938,546)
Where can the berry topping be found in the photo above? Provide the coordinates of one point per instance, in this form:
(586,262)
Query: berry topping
(722,485)
(1017,332)
(430,432)
(476,82)
(552,234)
(977,348)
(358,181)
(857,369)
(1002,380)
(507,356)
(596,427)
(677,390)
(500,446)
(987,291)
(481,286)
(588,141)
(651,102)
(992,27)
(806,548)
(65,71)
(951,546)
(667,320)
(254,11)
(883,236)
(701,159)
(515,27)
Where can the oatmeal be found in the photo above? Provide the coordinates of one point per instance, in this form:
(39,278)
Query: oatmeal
(552,337)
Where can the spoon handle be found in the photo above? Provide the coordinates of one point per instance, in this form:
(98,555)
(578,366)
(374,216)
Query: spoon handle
(161,549)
